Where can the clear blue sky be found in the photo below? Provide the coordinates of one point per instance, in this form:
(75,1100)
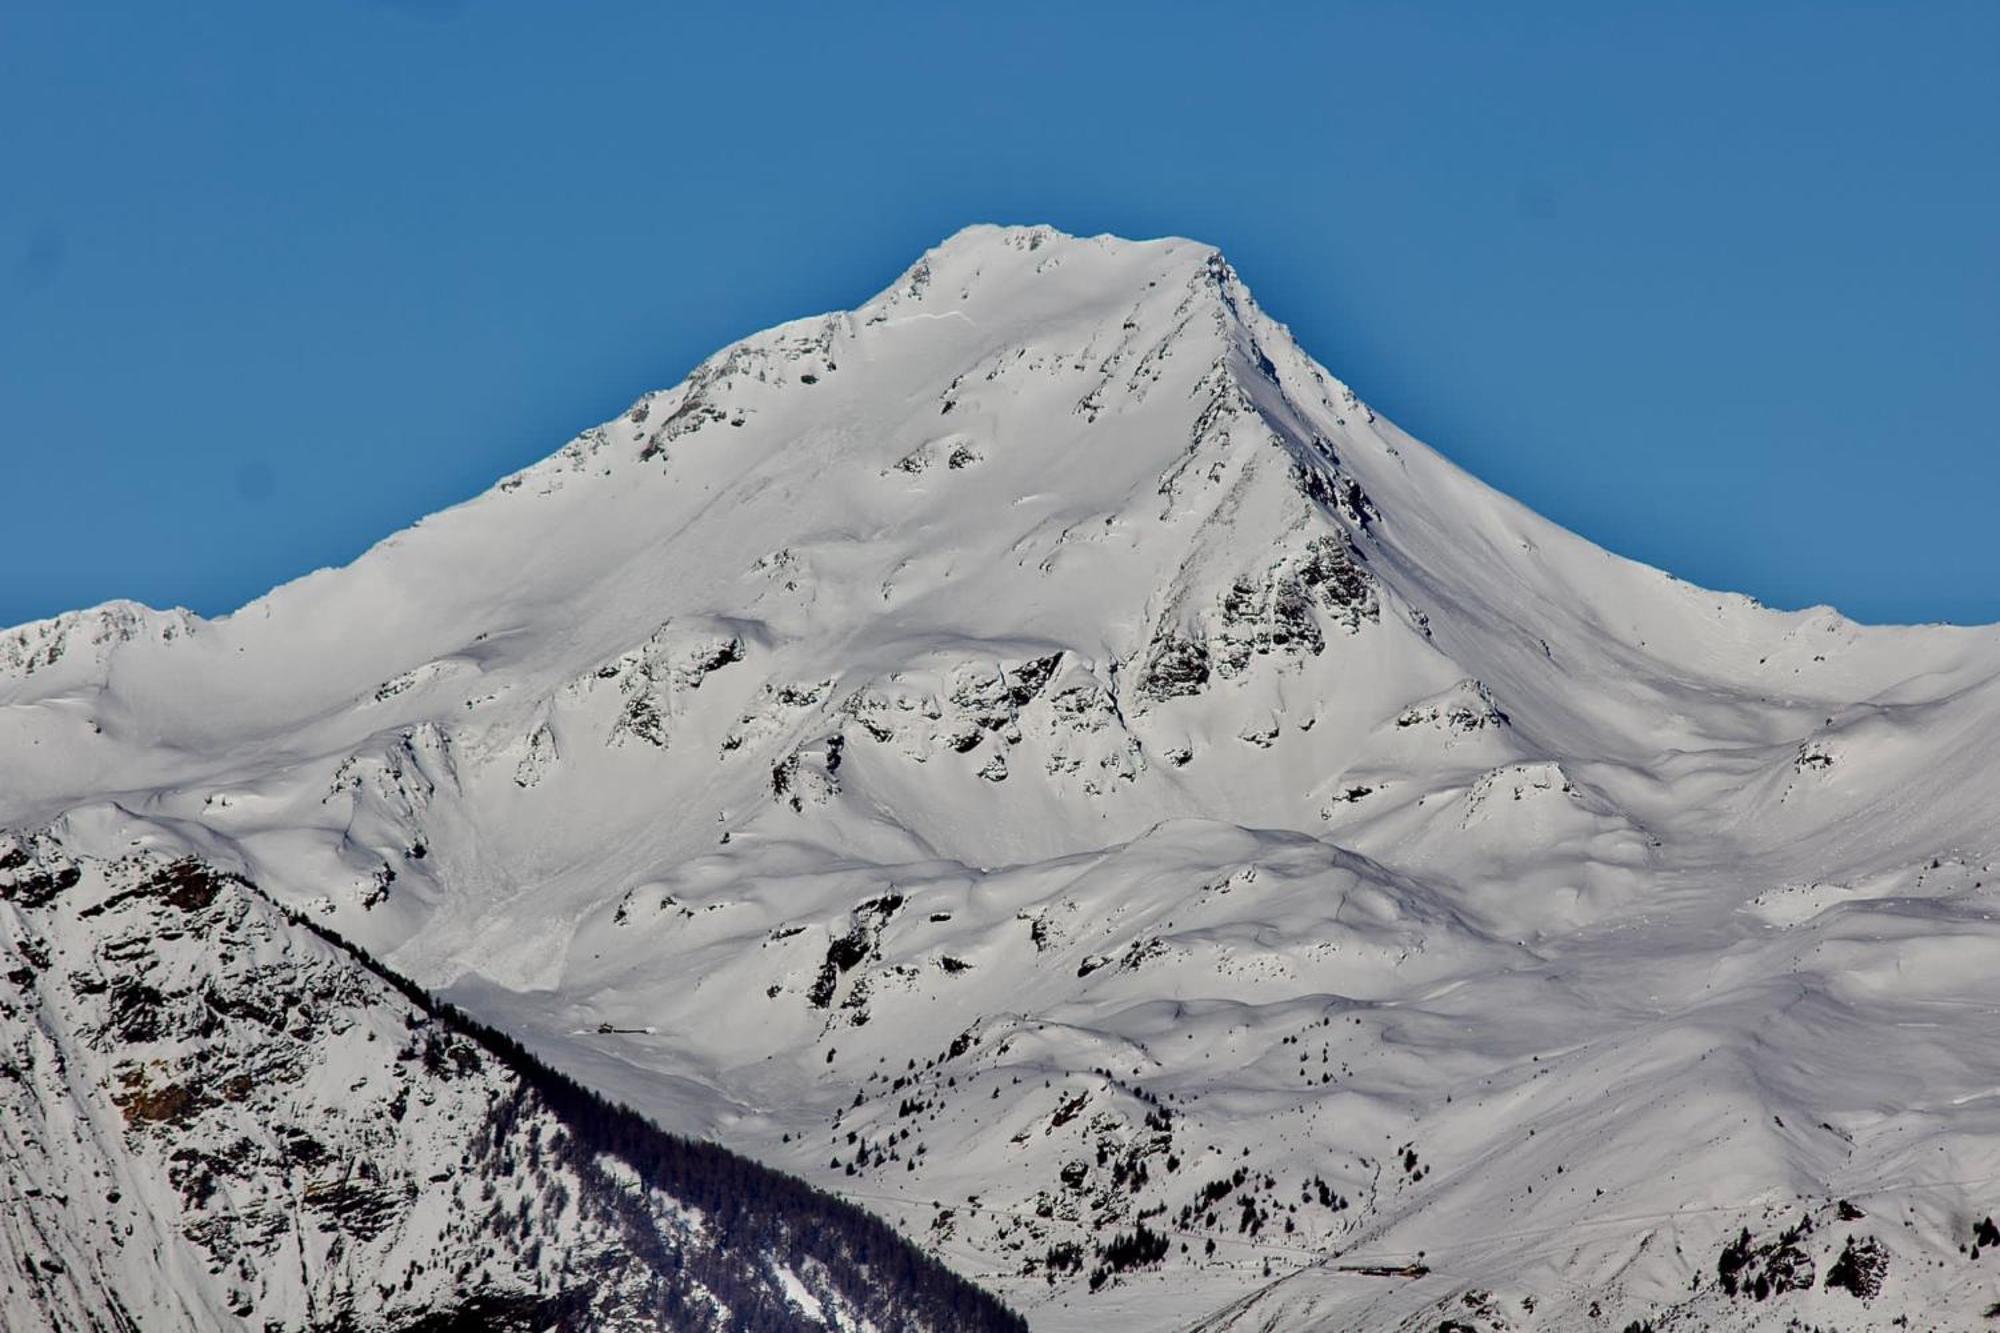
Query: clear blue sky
(1714,284)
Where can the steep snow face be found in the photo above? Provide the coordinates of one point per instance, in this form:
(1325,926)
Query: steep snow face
(1040,756)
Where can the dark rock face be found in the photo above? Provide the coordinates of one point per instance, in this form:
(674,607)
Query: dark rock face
(1259,616)
(1771,1268)
(33,881)
(1861,1268)
(504,1314)
(1331,573)
(847,952)
(1176,666)
(1283,611)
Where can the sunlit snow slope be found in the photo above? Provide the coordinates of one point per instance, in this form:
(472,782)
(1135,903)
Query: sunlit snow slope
(1040,757)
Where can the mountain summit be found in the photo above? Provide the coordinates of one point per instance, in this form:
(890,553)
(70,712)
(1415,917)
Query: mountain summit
(1039,757)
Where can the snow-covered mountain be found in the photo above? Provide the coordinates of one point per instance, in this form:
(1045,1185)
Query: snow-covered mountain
(1039,757)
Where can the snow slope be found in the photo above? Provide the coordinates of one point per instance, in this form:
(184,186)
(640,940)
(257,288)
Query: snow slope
(1039,756)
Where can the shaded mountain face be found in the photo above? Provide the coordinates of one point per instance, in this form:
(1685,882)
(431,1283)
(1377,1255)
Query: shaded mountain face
(1040,757)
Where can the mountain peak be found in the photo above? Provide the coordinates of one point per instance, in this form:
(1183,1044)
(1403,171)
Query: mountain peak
(984,262)
(989,238)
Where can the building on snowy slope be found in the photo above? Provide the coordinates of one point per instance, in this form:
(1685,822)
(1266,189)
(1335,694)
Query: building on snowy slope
(213,1116)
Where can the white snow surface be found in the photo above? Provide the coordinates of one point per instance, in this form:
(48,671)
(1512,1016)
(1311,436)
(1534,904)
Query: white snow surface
(1037,745)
